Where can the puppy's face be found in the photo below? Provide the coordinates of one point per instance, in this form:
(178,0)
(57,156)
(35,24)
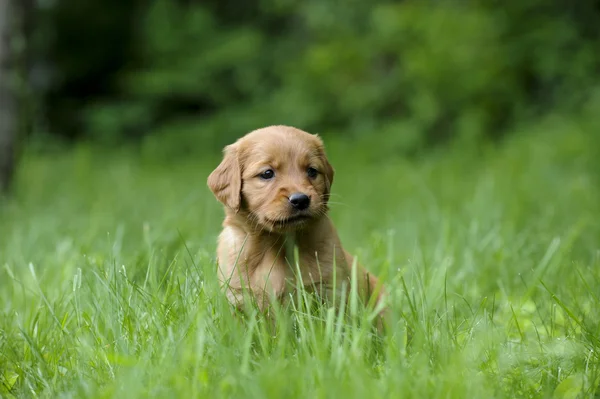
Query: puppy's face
(278,178)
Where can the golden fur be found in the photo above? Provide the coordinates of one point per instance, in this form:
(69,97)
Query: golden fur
(253,251)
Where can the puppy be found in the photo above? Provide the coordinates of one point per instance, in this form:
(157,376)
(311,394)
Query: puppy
(275,184)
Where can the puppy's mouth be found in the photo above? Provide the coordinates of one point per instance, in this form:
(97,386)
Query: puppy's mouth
(290,220)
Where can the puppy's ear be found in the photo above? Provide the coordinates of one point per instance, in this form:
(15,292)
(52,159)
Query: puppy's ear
(226,180)
(329,172)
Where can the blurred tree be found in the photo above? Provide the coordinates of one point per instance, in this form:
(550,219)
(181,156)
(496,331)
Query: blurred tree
(87,43)
(8,114)
(16,18)
(415,73)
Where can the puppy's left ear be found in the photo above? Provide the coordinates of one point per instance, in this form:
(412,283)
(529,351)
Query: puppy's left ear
(329,172)
(226,180)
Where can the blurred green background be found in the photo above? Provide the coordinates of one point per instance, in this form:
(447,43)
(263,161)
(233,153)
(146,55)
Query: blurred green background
(410,74)
(466,140)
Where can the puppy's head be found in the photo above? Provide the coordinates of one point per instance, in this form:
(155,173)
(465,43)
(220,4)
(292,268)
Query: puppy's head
(278,178)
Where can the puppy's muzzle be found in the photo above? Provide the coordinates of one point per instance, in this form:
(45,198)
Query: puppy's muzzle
(299,201)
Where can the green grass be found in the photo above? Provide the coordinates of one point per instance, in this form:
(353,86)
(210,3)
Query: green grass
(107,279)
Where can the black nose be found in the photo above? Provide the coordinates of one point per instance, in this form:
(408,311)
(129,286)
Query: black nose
(299,201)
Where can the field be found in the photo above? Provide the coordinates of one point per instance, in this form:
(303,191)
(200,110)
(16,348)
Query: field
(491,255)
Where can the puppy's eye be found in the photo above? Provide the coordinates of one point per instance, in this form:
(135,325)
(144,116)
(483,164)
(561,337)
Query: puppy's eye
(312,172)
(267,174)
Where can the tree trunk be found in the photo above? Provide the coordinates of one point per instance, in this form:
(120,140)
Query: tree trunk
(8,102)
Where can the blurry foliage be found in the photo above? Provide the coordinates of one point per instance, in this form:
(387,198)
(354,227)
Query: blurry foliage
(417,73)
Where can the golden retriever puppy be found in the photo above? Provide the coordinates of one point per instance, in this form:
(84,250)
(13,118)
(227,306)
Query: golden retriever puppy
(275,184)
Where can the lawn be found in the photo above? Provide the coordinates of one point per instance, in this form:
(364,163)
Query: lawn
(492,258)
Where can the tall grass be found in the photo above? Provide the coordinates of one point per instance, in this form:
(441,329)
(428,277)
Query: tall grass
(108,285)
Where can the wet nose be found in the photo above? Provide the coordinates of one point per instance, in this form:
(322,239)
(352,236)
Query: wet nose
(299,201)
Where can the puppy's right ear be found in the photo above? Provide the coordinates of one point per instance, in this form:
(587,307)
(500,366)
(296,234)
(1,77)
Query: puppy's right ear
(226,180)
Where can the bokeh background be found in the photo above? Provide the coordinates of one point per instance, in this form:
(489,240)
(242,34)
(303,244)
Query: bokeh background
(186,76)
(466,141)
(113,113)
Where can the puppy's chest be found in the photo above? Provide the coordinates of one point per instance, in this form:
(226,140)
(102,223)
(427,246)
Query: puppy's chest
(302,258)
(291,261)
(278,262)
